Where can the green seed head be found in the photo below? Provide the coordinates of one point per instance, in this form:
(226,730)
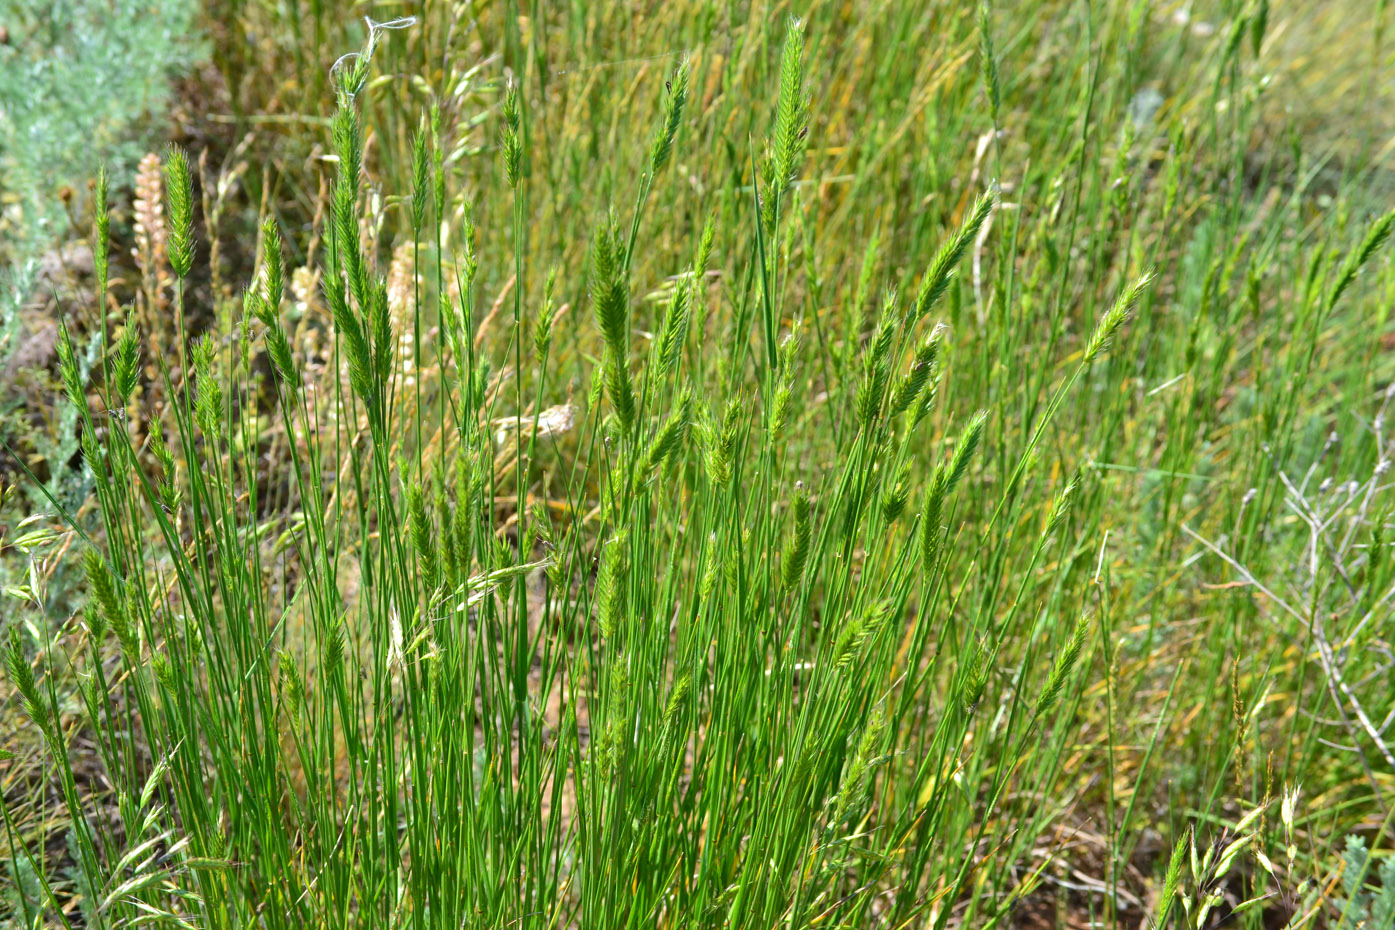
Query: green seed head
(510,139)
(101,223)
(797,554)
(179,199)
(675,96)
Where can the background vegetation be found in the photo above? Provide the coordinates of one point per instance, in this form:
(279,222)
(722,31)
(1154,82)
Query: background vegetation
(915,464)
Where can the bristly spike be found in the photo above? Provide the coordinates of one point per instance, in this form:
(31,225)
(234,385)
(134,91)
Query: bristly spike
(797,555)
(964,449)
(510,136)
(179,198)
(273,266)
(936,280)
(988,62)
(792,113)
(1064,665)
(675,98)
(1375,237)
(101,224)
(1114,318)
(421,181)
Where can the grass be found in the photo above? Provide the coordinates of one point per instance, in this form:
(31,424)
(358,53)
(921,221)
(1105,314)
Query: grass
(776,482)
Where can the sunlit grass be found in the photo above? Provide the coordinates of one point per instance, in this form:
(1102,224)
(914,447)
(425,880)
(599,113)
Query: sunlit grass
(863,495)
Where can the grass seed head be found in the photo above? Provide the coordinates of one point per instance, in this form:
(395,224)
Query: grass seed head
(208,388)
(669,437)
(1061,670)
(675,98)
(421,176)
(423,538)
(1060,508)
(964,450)
(22,675)
(797,554)
(1114,318)
(101,224)
(932,520)
(1172,879)
(179,199)
(913,382)
(273,266)
(510,137)
(1375,237)
(895,493)
(792,112)
(69,371)
(975,678)
(988,61)
(542,330)
(936,279)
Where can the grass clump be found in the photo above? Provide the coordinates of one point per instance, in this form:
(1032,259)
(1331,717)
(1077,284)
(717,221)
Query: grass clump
(746,515)
(554,717)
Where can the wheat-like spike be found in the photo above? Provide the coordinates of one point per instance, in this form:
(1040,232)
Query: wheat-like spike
(610,582)
(423,537)
(895,494)
(609,290)
(675,98)
(936,279)
(102,589)
(975,680)
(273,266)
(542,330)
(988,61)
(126,366)
(292,685)
(620,389)
(875,370)
(438,161)
(792,112)
(22,674)
(857,632)
(676,699)
(208,397)
(797,555)
(855,780)
(704,252)
(348,144)
(355,341)
(380,323)
(669,436)
(932,520)
(674,331)
(1172,879)
(421,180)
(1375,237)
(68,369)
(510,139)
(1060,671)
(151,252)
(101,224)
(964,449)
(912,383)
(179,196)
(1114,318)
(721,442)
(1060,508)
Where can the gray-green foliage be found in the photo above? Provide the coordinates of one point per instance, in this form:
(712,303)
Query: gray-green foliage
(1368,887)
(80,81)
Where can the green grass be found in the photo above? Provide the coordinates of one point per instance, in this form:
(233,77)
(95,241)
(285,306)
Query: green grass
(729,474)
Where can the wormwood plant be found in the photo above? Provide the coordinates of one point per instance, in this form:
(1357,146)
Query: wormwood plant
(671,675)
